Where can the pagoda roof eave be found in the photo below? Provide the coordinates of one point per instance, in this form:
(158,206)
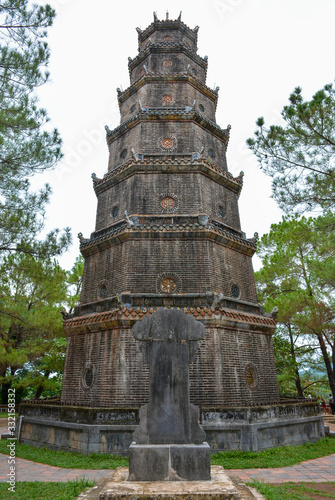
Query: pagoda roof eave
(176,77)
(152,114)
(168,24)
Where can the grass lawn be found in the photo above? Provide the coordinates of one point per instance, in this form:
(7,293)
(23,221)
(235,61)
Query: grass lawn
(277,457)
(65,459)
(295,491)
(25,490)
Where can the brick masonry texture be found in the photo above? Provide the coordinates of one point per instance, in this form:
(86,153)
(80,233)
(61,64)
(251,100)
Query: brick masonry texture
(142,194)
(168,210)
(146,137)
(217,376)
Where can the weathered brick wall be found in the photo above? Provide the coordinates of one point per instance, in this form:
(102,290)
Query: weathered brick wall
(167,94)
(138,265)
(146,137)
(142,194)
(167,64)
(218,375)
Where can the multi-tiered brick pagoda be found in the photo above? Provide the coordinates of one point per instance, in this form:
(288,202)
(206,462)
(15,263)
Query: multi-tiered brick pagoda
(168,235)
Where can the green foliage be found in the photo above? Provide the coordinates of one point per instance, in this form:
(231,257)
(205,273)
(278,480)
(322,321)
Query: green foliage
(31,335)
(25,490)
(298,277)
(75,281)
(300,154)
(27,146)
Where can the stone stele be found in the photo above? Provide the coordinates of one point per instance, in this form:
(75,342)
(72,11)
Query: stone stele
(169,442)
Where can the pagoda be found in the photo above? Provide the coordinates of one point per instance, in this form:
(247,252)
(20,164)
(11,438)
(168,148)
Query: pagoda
(168,235)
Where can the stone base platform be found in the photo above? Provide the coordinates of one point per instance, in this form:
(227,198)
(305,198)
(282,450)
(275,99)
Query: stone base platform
(108,430)
(219,487)
(169,462)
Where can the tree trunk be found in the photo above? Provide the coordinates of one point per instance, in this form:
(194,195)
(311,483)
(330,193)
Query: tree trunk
(41,386)
(330,371)
(297,380)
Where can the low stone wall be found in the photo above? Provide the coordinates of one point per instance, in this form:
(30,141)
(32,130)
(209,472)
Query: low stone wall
(105,430)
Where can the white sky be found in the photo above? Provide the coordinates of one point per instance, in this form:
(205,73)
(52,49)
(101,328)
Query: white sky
(258,50)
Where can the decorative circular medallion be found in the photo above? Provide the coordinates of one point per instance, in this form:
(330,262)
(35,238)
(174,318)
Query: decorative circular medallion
(133,108)
(235,290)
(167,202)
(167,99)
(201,107)
(167,143)
(123,153)
(88,377)
(167,39)
(168,285)
(211,153)
(115,211)
(167,64)
(251,375)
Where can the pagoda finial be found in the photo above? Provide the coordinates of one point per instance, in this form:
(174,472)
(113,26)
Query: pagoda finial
(155,16)
(167,15)
(179,17)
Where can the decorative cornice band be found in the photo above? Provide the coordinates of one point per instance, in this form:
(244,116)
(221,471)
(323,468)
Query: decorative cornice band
(211,316)
(160,230)
(171,165)
(170,114)
(176,77)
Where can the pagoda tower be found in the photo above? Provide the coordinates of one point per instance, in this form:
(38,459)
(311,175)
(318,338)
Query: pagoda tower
(168,235)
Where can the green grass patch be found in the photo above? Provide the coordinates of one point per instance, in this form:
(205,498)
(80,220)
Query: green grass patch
(295,491)
(283,456)
(276,457)
(65,459)
(25,490)
(4,415)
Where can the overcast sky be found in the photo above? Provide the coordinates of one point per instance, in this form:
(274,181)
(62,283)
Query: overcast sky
(258,51)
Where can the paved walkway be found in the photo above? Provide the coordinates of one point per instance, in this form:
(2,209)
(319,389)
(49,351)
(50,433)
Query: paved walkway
(318,470)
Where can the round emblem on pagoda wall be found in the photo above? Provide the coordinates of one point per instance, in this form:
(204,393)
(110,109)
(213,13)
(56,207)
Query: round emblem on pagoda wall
(102,290)
(167,143)
(235,290)
(251,376)
(168,202)
(167,64)
(115,211)
(167,99)
(168,283)
(167,39)
(87,379)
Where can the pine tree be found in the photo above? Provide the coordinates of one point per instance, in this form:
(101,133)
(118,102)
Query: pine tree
(27,146)
(300,155)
